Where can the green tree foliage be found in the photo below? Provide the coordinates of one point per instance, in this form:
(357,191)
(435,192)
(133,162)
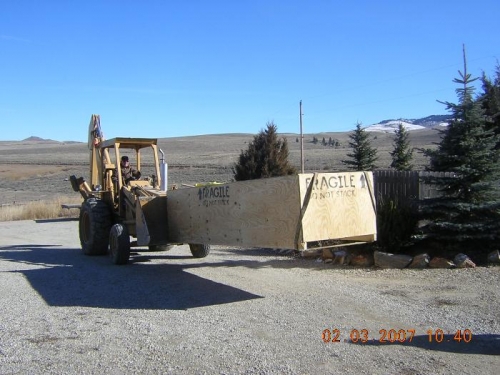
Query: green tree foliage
(396,223)
(266,156)
(402,154)
(469,210)
(363,155)
(491,101)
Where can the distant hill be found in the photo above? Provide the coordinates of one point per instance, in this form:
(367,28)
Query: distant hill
(34,139)
(429,122)
(37,139)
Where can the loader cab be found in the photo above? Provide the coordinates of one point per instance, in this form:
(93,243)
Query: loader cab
(106,171)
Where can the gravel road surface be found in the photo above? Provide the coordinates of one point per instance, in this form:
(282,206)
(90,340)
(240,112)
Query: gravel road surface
(237,311)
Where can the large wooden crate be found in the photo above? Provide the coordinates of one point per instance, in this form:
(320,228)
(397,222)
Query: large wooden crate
(281,212)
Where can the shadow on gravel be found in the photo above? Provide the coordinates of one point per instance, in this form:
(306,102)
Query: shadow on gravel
(487,344)
(68,278)
(56,220)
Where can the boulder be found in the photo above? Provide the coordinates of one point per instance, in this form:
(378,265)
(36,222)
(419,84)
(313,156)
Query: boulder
(420,261)
(494,257)
(388,260)
(463,261)
(339,257)
(361,261)
(438,262)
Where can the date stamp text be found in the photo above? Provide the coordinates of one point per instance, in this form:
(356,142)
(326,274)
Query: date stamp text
(335,335)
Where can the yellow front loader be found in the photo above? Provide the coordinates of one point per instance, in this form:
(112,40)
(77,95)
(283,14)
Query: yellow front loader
(114,210)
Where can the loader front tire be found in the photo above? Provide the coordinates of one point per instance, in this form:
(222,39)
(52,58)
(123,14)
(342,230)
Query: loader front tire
(119,244)
(199,250)
(94,226)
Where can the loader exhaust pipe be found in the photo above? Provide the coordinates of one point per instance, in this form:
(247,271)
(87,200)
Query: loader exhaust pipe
(163,171)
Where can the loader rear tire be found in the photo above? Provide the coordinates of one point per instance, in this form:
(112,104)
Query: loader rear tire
(160,247)
(94,226)
(199,250)
(119,244)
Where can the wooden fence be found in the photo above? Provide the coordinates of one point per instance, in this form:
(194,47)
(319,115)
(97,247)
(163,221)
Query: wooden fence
(405,186)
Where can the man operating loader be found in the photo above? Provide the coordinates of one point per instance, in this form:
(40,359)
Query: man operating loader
(128,173)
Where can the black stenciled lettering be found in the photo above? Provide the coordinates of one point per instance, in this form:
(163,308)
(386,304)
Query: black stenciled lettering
(324,183)
(332,182)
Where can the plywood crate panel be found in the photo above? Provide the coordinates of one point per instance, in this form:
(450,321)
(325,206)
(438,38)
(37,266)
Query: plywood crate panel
(279,212)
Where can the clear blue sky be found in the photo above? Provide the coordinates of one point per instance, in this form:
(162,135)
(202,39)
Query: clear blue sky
(178,68)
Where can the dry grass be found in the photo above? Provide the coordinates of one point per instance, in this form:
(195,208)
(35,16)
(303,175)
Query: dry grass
(39,171)
(39,210)
(17,172)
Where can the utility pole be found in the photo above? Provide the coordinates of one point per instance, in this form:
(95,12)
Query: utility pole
(301,140)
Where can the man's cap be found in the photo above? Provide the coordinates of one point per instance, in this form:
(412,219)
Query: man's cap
(124,158)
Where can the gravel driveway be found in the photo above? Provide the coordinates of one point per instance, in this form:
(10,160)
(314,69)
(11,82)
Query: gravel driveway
(236,311)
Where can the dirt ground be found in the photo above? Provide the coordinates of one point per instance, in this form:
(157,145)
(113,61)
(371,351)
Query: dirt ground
(236,311)
(248,311)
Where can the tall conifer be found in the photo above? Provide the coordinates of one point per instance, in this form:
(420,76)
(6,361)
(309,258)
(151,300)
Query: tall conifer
(469,210)
(491,100)
(363,155)
(266,156)
(402,154)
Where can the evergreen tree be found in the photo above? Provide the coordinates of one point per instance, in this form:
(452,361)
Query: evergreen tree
(266,156)
(402,154)
(363,155)
(469,210)
(491,100)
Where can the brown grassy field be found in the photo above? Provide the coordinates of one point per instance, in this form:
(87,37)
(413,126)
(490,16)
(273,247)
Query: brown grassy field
(38,170)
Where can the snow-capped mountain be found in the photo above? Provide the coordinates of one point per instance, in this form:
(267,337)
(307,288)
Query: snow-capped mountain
(390,126)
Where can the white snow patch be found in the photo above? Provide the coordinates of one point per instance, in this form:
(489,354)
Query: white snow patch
(392,126)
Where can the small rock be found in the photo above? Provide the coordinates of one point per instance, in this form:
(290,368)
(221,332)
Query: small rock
(494,257)
(463,261)
(438,262)
(327,254)
(311,253)
(339,257)
(469,264)
(361,261)
(388,260)
(420,261)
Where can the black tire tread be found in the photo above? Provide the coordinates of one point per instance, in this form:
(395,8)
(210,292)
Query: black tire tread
(100,224)
(199,250)
(121,254)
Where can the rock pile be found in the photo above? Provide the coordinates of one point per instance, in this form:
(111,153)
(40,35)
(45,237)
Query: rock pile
(387,260)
